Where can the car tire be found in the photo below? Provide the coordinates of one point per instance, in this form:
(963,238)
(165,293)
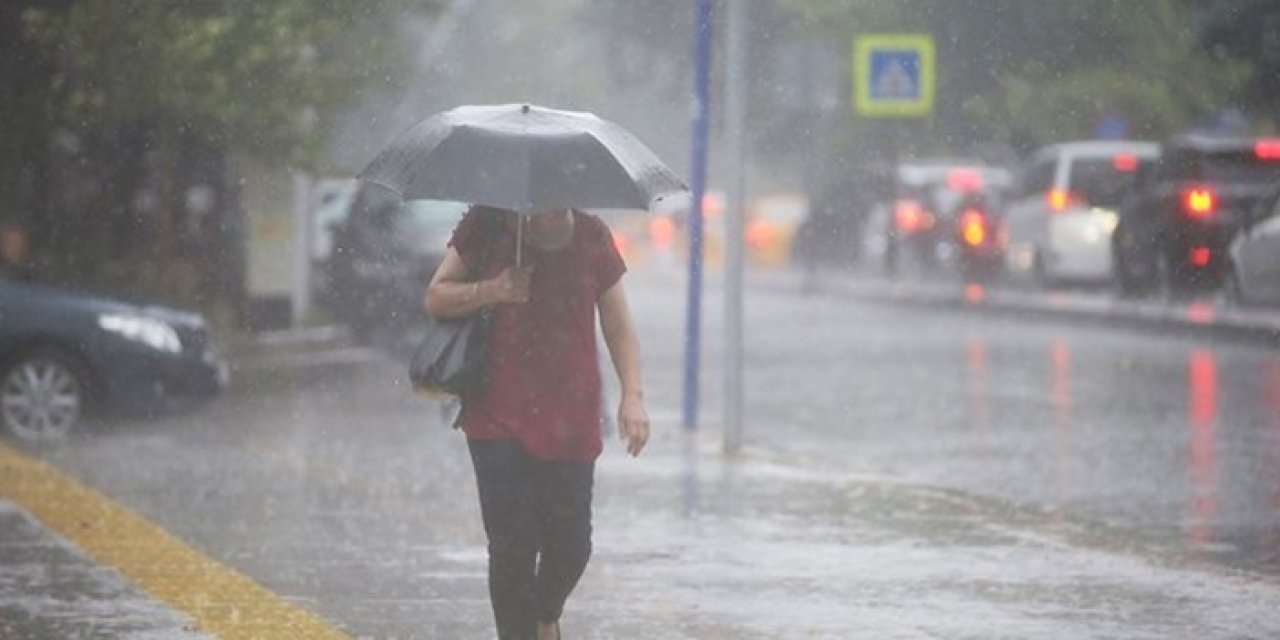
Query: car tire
(1039,272)
(1130,285)
(889,262)
(45,393)
(1233,290)
(1169,283)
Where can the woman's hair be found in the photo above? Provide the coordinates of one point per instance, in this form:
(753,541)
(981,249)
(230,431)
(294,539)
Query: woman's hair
(493,216)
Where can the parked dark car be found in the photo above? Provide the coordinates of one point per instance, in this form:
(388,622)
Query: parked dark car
(66,354)
(1254,277)
(829,234)
(384,254)
(1177,223)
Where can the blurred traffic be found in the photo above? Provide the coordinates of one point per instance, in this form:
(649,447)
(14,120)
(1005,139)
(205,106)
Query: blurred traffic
(1193,217)
(1008,328)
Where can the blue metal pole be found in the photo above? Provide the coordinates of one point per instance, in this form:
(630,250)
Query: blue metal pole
(698,178)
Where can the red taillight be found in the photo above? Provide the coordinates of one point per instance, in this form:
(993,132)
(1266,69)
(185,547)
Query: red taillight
(662,232)
(1125,162)
(760,234)
(964,180)
(909,216)
(1061,199)
(1200,256)
(973,227)
(1268,149)
(1199,202)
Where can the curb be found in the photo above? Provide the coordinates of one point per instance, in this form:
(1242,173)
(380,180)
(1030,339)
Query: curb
(1189,318)
(301,336)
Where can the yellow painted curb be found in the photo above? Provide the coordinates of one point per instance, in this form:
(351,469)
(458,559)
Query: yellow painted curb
(222,601)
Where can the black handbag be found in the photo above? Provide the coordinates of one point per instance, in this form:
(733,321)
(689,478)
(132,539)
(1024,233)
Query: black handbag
(453,356)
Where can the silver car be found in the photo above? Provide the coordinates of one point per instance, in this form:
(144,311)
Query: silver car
(1059,222)
(1255,255)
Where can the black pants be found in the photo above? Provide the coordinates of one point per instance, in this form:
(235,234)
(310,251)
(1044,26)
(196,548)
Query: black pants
(537,515)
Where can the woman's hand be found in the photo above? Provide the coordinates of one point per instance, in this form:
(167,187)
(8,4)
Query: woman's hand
(633,424)
(511,286)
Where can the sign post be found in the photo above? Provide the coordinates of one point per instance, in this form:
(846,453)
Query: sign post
(893,79)
(698,179)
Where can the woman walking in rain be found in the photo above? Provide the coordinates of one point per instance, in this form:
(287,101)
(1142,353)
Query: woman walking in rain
(534,429)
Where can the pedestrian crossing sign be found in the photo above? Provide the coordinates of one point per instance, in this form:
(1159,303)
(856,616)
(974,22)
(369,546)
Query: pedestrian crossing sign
(893,75)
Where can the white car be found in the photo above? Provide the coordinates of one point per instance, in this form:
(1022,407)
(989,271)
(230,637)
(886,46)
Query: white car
(1255,255)
(1059,221)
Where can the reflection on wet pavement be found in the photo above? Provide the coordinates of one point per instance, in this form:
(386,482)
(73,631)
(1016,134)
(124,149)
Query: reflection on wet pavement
(1202,395)
(979,408)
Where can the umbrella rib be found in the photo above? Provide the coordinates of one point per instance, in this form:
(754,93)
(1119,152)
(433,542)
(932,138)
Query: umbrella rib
(384,185)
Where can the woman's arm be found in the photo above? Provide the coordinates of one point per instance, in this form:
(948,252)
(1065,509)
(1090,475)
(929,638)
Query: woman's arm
(451,295)
(624,350)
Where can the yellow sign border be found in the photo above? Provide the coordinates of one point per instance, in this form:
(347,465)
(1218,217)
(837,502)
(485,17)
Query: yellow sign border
(870,107)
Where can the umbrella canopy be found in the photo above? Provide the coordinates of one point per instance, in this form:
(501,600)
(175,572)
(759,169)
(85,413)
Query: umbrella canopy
(523,158)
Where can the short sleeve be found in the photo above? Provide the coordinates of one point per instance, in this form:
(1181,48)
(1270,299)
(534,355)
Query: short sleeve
(469,236)
(609,265)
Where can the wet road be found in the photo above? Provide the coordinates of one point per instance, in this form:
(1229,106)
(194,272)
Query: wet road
(1084,477)
(1176,438)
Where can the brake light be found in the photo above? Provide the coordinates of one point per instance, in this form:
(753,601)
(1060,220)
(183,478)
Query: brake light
(1125,162)
(964,180)
(1201,256)
(1199,202)
(662,232)
(760,234)
(1268,149)
(908,216)
(973,227)
(1061,199)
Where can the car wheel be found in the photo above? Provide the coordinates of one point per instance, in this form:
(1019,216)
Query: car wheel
(1130,284)
(1167,282)
(1039,272)
(43,395)
(1233,291)
(889,262)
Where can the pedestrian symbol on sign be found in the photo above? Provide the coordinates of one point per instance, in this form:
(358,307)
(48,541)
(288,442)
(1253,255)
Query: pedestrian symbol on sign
(895,75)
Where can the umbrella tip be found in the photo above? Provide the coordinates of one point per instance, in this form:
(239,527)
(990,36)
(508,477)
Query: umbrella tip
(524,108)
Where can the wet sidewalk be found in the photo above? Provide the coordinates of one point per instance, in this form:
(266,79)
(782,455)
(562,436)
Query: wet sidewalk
(785,550)
(1203,316)
(691,545)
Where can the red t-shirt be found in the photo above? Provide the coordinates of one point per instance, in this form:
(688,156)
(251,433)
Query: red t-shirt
(544,384)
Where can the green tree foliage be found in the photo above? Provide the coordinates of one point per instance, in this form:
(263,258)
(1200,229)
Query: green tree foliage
(261,76)
(1248,30)
(121,107)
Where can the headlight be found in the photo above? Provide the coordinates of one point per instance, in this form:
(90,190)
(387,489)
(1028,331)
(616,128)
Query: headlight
(1109,221)
(149,331)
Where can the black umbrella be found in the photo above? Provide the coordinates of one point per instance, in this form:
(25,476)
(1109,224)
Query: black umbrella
(523,158)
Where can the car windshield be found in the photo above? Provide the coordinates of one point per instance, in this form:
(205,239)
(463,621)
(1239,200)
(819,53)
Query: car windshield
(1239,168)
(1099,181)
